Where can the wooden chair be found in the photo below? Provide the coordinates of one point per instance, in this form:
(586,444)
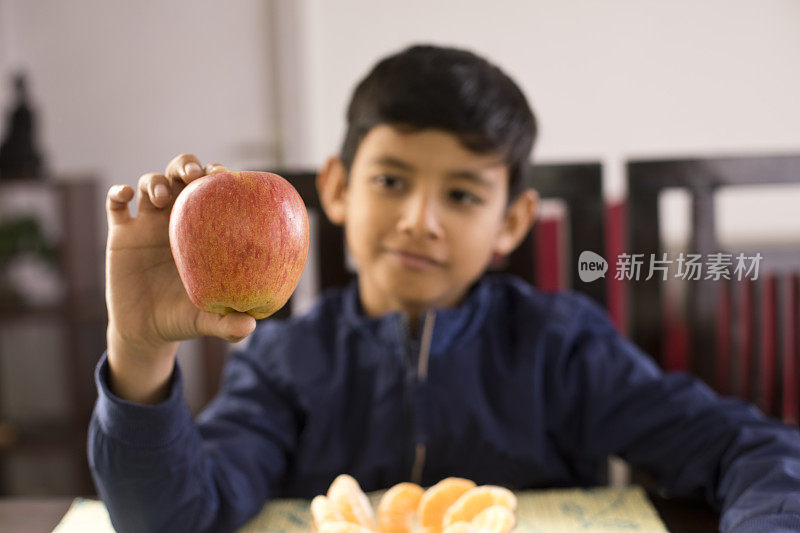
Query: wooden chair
(578,185)
(742,334)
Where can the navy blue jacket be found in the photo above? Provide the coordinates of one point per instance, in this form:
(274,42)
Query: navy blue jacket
(513,387)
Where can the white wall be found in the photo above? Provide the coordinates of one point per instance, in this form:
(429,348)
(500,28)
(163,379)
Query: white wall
(7,41)
(608,80)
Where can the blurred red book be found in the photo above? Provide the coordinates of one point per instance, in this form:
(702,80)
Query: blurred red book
(551,246)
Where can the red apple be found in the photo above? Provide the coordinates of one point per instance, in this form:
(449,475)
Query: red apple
(240,241)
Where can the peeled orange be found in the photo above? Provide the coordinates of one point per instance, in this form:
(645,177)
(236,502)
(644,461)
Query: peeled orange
(494,519)
(460,527)
(346,496)
(475,500)
(398,508)
(436,500)
(323,511)
(454,505)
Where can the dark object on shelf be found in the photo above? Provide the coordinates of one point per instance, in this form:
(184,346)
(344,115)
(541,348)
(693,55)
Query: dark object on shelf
(19,156)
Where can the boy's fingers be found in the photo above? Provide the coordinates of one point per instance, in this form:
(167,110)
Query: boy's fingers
(214,168)
(154,192)
(232,327)
(117,204)
(183,169)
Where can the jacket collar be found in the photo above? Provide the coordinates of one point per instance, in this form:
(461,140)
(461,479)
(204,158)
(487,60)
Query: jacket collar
(452,323)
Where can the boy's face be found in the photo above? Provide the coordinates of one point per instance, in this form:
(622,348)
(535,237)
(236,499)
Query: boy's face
(423,216)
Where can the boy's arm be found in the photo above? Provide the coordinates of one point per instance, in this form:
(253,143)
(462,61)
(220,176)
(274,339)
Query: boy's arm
(614,400)
(157,470)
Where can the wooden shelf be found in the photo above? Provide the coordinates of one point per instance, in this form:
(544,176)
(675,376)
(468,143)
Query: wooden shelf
(84,309)
(76,206)
(41,435)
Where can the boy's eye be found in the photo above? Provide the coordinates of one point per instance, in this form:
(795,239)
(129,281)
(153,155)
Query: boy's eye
(464,197)
(389,182)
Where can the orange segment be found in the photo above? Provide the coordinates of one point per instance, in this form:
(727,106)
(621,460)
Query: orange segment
(460,527)
(343,527)
(494,519)
(323,511)
(436,500)
(345,494)
(476,500)
(398,508)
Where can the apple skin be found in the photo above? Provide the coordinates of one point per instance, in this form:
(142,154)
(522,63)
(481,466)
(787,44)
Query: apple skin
(240,241)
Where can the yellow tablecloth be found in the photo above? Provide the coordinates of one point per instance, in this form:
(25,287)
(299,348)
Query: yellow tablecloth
(541,511)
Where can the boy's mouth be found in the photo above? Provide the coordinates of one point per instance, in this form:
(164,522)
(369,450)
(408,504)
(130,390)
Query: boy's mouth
(414,260)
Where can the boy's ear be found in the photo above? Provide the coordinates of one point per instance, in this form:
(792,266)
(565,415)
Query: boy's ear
(332,190)
(519,218)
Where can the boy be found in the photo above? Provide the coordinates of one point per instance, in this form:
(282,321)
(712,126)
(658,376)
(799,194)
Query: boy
(423,367)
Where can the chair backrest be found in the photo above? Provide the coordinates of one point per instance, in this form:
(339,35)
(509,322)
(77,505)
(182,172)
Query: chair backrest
(579,187)
(742,331)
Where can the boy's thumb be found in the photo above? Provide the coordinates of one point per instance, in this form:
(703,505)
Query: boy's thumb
(232,327)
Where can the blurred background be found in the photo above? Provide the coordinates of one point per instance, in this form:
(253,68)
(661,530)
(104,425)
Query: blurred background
(97,92)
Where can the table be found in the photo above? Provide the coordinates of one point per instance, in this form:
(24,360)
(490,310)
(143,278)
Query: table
(32,515)
(41,515)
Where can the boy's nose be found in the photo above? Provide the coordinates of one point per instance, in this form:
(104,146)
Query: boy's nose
(420,219)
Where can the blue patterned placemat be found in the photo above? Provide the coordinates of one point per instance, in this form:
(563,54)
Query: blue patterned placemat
(541,511)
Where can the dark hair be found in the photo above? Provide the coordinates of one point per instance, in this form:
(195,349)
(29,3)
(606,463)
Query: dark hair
(449,89)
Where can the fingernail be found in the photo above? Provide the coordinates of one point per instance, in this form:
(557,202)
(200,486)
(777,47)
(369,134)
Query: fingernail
(161,191)
(192,168)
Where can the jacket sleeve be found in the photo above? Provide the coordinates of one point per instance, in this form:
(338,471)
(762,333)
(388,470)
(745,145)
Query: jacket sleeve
(693,442)
(158,470)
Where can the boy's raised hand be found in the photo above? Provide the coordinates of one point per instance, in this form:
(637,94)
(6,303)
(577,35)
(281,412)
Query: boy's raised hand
(148,308)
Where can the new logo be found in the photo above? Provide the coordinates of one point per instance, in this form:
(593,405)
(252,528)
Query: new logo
(591,266)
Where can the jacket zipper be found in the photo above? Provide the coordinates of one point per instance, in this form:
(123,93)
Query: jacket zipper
(422,376)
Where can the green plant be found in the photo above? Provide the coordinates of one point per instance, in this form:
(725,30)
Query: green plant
(24,235)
